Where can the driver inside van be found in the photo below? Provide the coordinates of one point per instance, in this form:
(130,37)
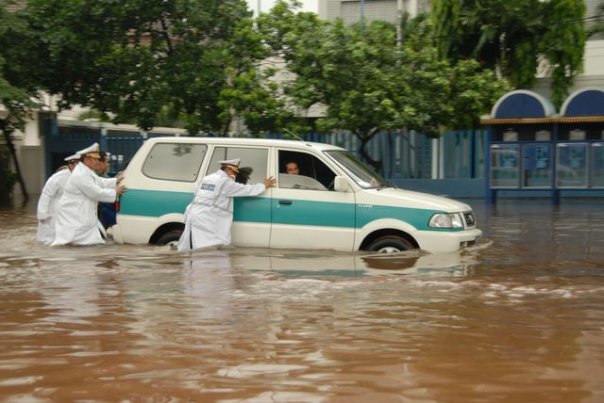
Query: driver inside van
(292,168)
(208,218)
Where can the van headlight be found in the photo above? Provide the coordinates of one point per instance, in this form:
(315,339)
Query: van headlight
(444,220)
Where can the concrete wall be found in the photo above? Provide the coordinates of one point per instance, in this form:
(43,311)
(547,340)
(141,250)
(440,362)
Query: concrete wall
(31,163)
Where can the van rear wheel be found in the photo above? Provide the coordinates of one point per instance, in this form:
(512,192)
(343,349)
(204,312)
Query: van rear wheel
(169,238)
(390,244)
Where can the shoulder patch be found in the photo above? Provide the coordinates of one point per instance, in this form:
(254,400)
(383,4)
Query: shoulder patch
(208,186)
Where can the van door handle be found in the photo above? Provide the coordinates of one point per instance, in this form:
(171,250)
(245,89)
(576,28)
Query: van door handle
(285,202)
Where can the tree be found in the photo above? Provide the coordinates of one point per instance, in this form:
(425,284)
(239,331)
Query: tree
(18,90)
(138,60)
(369,84)
(514,37)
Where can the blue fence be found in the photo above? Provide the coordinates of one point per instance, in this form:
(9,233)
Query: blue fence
(464,154)
(403,155)
(459,154)
(64,140)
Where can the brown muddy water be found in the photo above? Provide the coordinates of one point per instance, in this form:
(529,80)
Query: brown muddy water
(519,318)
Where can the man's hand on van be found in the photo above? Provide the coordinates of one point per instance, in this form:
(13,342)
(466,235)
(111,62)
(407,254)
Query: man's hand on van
(120,189)
(119,177)
(270,182)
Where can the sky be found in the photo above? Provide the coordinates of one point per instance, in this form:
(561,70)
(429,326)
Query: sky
(266,5)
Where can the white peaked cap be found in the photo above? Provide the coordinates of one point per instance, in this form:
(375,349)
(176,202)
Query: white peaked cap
(234,163)
(73,157)
(95,148)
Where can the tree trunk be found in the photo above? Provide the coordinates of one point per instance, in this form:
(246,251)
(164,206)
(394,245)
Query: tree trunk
(7,130)
(377,165)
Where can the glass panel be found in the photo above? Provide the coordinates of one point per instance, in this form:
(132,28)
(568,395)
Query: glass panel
(253,161)
(536,168)
(571,164)
(174,161)
(362,174)
(505,165)
(597,165)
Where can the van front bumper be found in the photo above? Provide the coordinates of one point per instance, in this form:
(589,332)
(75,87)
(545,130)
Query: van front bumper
(445,242)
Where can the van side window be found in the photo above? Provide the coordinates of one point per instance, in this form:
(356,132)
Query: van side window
(174,161)
(311,172)
(254,161)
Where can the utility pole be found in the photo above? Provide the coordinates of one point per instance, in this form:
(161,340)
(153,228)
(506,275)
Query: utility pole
(399,22)
(362,11)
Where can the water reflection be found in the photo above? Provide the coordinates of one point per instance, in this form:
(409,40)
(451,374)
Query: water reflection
(517,318)
(295,263)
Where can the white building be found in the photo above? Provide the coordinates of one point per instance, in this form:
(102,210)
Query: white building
(387,10)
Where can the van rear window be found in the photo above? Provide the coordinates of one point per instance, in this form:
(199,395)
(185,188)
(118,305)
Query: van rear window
(175,161)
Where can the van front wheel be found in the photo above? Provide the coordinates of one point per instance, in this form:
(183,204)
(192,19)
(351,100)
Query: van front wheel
(169,238)
(390,244)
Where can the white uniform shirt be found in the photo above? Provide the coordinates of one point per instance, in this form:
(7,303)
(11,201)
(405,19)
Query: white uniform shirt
(209,216)
(47,205)
(76,218)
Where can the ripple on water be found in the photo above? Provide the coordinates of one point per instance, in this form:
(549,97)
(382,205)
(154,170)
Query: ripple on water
(123,322)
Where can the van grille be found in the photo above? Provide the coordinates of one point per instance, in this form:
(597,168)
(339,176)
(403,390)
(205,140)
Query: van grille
(468,217)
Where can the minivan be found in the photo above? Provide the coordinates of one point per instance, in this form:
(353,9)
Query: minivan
(336,202)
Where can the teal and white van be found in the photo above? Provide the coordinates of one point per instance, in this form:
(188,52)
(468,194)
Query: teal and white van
(335,202)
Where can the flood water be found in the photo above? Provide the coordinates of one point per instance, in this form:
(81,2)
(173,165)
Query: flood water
(519,318)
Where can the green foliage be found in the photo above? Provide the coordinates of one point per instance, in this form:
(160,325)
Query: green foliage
(514,36)
(201,64)
(564,45)
(139,59)
(473,92)
(368,83)
(18,91)
(368,80)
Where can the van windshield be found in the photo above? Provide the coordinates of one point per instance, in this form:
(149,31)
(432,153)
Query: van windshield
(364,176)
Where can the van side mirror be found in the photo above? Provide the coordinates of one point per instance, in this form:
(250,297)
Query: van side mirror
(341,184)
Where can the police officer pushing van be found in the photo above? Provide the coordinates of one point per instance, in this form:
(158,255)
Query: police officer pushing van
(208,218)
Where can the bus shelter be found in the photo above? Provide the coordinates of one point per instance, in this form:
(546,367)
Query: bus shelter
(531,148)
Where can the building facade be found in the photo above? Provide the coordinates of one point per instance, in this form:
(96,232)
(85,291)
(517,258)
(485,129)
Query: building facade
(387,10)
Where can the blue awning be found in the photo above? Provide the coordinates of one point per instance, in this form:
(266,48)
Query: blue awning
(585,102)
(520,104)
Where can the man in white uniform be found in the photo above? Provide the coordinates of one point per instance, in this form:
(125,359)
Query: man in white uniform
(49,198)
(106,211)
(76,219)
(209,216)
